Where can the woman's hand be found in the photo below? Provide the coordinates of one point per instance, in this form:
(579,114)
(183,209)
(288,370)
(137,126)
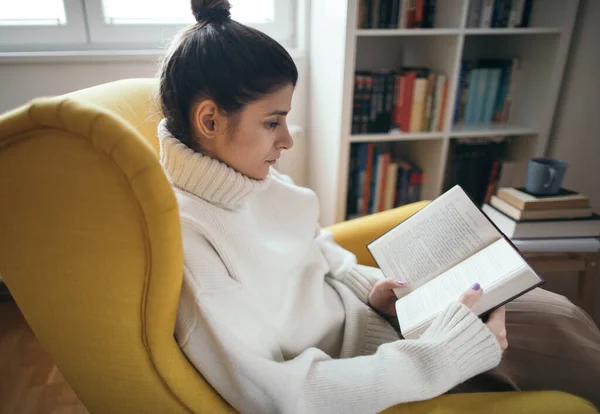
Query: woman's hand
(382,297)
(496,321)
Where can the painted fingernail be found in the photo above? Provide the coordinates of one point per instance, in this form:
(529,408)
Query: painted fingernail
(476,286)
(401,283)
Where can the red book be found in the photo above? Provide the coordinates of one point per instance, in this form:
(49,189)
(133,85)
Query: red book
(406,100)
(419,12)
(398,94)
(440,125)
(384,168)
(411,12)
(368,174)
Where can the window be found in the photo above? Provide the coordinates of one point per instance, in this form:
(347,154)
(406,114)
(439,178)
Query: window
(28,22)
(124,24)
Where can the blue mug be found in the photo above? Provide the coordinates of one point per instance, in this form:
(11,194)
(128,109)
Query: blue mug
(545,176)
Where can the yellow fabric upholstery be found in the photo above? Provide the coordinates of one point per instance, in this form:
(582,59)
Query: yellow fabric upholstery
(90,248)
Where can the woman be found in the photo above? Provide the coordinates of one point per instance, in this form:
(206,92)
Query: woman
(274,314)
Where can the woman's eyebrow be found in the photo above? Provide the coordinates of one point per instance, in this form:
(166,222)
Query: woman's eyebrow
(280,112)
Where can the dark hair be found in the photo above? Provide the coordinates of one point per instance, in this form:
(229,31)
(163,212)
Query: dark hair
(219,59)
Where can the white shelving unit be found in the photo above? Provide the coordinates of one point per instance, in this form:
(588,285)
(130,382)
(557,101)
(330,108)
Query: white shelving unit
(338,49)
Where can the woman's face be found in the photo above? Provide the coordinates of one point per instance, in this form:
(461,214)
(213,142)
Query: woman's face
(251,141)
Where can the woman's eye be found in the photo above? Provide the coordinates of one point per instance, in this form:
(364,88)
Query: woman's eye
(272,125)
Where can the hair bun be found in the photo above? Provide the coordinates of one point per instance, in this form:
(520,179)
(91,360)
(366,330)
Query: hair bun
(211,10)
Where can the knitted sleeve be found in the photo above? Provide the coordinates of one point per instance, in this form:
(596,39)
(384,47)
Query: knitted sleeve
(343,267)
(232,343)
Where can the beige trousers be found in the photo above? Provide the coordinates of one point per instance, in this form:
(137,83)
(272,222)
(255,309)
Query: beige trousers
(552,345)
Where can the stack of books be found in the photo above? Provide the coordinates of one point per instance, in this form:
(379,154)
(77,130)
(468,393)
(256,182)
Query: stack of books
(499,13)
(409,100)
(378,181)
(486,91)
(396,14)
(521,215)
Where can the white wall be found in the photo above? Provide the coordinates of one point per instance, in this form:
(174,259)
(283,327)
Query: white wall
(21,82)
(575,135)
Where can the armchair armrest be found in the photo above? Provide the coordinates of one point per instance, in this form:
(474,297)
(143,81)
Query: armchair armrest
(354,235)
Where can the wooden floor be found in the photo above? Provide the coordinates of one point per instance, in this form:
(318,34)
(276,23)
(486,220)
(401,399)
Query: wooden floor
(29,380)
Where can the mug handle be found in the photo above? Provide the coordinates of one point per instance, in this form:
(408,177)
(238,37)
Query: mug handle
(551,179)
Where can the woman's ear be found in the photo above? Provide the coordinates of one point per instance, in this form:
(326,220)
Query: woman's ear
(204,118)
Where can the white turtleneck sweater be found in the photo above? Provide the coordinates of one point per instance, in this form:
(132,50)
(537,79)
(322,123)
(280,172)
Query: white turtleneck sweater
(273,313)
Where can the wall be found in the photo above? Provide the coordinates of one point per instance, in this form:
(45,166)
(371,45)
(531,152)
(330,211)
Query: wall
(22,81)
(575,135)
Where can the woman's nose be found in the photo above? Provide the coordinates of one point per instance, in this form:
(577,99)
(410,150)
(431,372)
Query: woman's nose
(286,141)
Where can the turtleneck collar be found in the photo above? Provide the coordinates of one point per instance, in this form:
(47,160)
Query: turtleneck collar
(204,176)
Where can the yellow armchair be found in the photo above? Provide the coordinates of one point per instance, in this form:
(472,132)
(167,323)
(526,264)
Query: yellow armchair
(90,248)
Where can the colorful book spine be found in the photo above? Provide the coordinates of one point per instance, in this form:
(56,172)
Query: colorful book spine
(470,110)
(418,105)
(373,182)
(490,93)
(487,11)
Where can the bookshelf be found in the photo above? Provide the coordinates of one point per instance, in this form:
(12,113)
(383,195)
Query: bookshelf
(338,49)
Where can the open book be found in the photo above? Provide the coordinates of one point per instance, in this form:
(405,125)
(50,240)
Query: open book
(441,251)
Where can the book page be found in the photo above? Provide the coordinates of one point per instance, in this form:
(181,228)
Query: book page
(445,232)
(493,267)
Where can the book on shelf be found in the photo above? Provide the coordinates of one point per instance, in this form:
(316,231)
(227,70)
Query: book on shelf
(517,214)
(487,14)
(409,100)
(441,251)
(540,229)
(486,91)
(520,198)
(476,164)
(377,181)
(396,14)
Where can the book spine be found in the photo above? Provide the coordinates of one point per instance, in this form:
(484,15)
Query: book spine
(516,13)
(428,14)
(493,181)
(427,113)
(351,187)
(402,15)
(383,14)
(398,94)
(471,95)
(437,103)
(360,19)
(444,106)
(390,187)
(373,181)
(418,105)
(411,12)
(394,14)
(368,14)
(487,11)
(410,79)
(375,7)
(419,10)
(462,95)
(362,153)
(389,101)
(385,162)
(501,12)
(490,95)
(527,9)
(480,95)
(502,90)
(368,174)
(474,16)
(508,102)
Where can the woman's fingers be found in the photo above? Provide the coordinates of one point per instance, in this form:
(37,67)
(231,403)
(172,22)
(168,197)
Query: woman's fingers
(497,324)
(471,296)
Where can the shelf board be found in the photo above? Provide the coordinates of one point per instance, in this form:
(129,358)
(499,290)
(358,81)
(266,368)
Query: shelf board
(406,32)
(513,31)
(408,136)
(454,31)
(493,130)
